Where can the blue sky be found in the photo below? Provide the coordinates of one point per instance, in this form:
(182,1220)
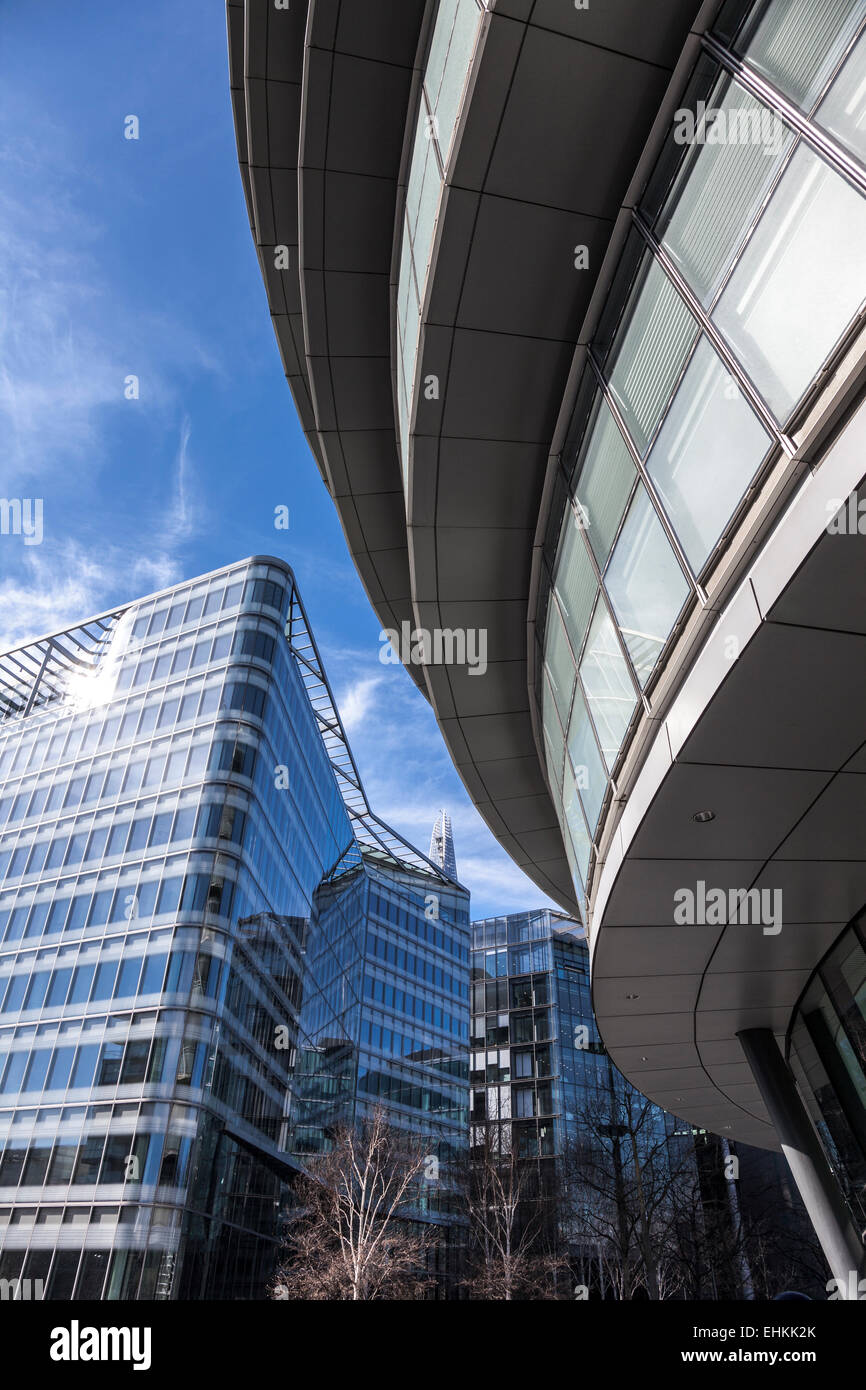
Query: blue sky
(122,257)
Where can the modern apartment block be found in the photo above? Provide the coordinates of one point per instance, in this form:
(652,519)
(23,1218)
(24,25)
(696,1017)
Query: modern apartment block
(545,1091)
(537,1062)
(211,951)
(570,299)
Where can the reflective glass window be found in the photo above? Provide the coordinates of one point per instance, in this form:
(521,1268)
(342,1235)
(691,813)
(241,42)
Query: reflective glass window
(706,454)
(800,280)
(576,582)
(579,838)
(604,482)
(554,738)
(607,683)
(843,110)
(589,771)
(797,43)
(646,585)
(559,662)
(649,352)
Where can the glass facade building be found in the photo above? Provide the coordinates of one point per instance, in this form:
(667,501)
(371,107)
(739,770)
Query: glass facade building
(827,1054)
(206,945)
(384,1019)
(740,282)
(538,1066)
(456,32)
(545,1090)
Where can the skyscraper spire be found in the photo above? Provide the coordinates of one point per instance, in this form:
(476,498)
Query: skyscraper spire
(442,845)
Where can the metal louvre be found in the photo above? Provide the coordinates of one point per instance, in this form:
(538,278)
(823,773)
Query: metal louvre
(37,674)
(373,835)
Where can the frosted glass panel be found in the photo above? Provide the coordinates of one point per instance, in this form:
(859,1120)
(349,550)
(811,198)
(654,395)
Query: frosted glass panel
(428,209)
(457,68)
(720,188)
(406,294)
(800,282)
(439,49)
(605,482)
(843,110)
(421,151)
(649,353)
(646,585)
(798,43)
(706,454)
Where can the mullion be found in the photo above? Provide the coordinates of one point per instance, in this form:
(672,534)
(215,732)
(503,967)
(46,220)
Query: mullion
(718,340)
(644,477)
(764,91)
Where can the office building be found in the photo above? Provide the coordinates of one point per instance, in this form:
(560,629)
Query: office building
(537,1063)
(573,321)
(545,1089)
(442,844)
(211,951)
(594,1153)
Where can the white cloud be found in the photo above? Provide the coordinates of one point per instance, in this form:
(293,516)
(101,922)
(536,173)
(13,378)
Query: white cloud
(48,593)
(54,371)
(64,584)
(357,702)
(71,331)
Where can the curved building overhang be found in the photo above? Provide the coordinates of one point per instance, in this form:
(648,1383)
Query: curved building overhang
(767,734)
(319,93)
(359,72)
(561,105)
(266,53)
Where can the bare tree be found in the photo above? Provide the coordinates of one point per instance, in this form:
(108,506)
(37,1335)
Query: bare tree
(626,1185)
(353,1237)
(509,1203)
(722,1248)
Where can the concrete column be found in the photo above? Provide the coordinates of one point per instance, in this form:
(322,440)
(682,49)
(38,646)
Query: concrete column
(821,1195)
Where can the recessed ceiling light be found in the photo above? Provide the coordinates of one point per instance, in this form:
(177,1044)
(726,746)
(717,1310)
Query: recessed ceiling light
(703,816)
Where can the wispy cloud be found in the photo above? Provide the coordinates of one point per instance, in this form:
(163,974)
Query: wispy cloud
(71,332)
(56,586)
(356,703)
(71,328)
(55,372)
(185,515)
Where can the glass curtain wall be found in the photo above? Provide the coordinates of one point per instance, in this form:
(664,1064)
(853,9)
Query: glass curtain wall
(145,852)
(202,971)
(741,281)
(449,61)
(544,1088)
(827,1052)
